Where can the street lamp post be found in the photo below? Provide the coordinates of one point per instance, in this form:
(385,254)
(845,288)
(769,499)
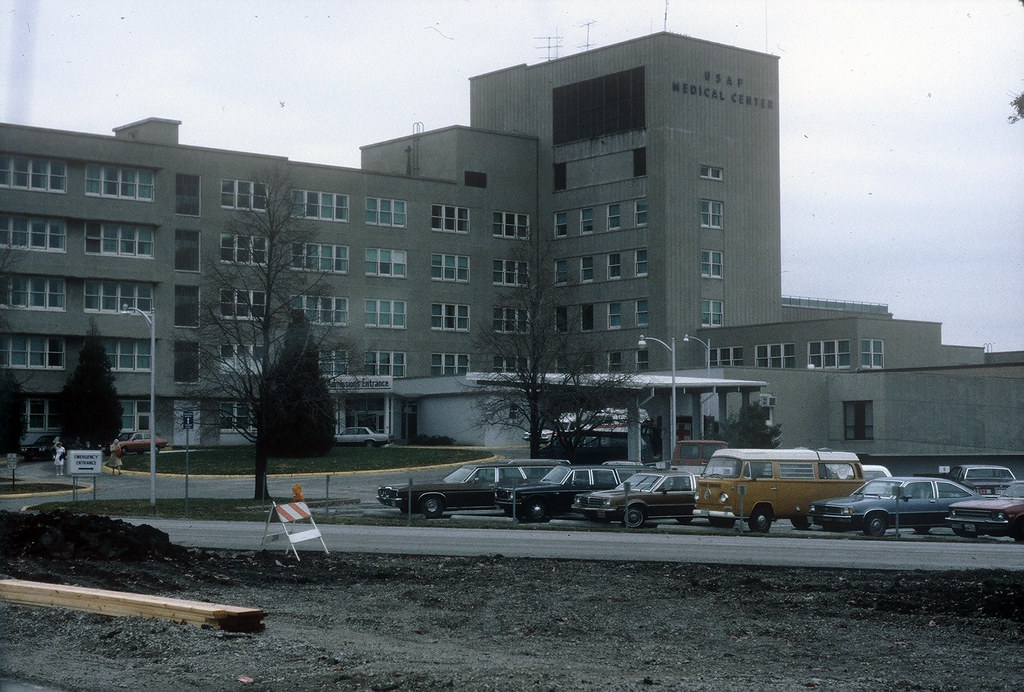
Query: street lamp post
(642,343)
(707,363)
(151,318)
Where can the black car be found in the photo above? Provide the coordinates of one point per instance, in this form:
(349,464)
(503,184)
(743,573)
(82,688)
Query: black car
(554,493)
(40,448)
(596,447)
(468,487)
(883,503)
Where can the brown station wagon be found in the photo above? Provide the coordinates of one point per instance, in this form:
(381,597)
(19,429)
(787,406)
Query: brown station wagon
(651,495)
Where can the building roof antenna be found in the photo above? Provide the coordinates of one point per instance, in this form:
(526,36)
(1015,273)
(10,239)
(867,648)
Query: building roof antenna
(587,24)
(553,44)
(665,27)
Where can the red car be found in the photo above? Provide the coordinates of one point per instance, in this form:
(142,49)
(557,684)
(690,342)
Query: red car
(138,442)
(1000,515)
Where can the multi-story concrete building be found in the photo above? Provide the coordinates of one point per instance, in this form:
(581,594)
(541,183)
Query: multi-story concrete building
(648,171)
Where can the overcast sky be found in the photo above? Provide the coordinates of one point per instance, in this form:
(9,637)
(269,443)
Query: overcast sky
(902,181)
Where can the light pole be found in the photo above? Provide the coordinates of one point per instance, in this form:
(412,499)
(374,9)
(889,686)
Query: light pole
(151,318)
(707,363)
(642,343)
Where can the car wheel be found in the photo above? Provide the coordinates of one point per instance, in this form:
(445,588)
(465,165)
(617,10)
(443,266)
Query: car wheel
(432,506)
(634,517)
(535,509)
(369,443)
(719,523)
(801,523)
(876,524)
(1018,531)
(760,520)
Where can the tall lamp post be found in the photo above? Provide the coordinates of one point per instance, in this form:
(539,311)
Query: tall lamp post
(642,343)
(707,363)
(151,318)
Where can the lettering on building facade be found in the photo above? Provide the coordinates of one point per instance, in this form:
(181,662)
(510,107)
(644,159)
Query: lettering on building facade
(723,87)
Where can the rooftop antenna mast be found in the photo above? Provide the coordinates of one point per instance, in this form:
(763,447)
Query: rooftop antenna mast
(553,44)
(665,27)
(587,24)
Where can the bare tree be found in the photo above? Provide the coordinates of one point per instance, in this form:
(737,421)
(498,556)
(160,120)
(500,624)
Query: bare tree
(261,274)
(544,367)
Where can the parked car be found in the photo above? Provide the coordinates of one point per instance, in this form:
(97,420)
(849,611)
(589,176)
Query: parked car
(596,447)
(693,455)
(138,442)
(914,501)
(1002,515)
(364,437)
(652,495)
(985,480)
(872,471)
(554,493)
(39,448)
(468,487)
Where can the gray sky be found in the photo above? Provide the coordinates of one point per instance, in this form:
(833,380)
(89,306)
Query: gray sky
(901,179)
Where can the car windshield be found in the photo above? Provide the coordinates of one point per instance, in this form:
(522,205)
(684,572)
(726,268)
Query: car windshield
(723,467)
(556,475)
(1014,490)
(460,474)
(641,481)
(878,488)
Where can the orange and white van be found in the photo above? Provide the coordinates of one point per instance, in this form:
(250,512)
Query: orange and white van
(762,485)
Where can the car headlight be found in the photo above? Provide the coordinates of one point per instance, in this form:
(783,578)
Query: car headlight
(723,498)
(707,493)
(1000,515)
(607,502)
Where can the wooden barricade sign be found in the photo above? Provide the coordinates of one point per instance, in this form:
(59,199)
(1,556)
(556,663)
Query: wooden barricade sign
(292,514)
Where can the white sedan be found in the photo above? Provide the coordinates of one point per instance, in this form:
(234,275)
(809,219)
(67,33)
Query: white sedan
(363,436)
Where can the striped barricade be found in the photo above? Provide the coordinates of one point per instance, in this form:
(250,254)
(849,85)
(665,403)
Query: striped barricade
(291,514)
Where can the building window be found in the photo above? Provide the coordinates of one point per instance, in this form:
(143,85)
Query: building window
(615,361)
(710,173)
(32,234)
(829,354)
(510,320)
(560,176)
(449,268)
(561,271)
(32,293)
(449,317)
(711,313)
(235,416)
(333,362)
(384,363)
(186,361)
(43,414)
(475,178)
(449,364)
(509,364)
(871,351)
(711,264)
(241,358)
(332,310)
(33,174)
(858,420)
(112,296)
(587,317)
(186,306)
(614,315)
(381,262)
(128,355)
(730,355)
(325,206)
(561,224)
(123,183)
(640,212)
(242,305)
(642,315)
(23,352)
(323,258)
(614,265)
(643,360)
(118,239)
(242,194)
(385,212)
(640,162)
(614,216)
(599,106)
(186,194)
(243,249)
(385,314)
(448,219)
(641,263)
(775,356)
(186,250)
(507,224)
(586,268)
(710,213)
(561,319)
(586,220)
(509,273)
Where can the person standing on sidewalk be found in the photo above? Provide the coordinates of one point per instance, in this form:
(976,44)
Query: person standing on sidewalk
(116,454)
(59,455)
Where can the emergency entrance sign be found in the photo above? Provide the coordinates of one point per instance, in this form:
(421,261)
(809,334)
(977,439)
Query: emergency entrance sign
(82,462)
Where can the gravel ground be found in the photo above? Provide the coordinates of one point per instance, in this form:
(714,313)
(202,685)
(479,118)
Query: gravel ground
(367,622)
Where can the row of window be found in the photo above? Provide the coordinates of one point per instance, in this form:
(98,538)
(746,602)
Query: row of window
(830,354)
(42,415)
(613,266)
(612,220)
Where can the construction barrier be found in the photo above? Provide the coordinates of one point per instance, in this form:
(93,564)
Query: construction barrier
(291,514)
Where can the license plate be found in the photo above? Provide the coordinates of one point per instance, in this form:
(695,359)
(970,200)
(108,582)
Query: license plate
(600,513)
(969,527)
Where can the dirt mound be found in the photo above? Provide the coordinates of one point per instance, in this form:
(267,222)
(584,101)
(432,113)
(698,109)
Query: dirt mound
(66,535)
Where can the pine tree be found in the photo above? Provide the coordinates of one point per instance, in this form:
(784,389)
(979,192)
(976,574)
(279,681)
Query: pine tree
(750,429)
(91,411)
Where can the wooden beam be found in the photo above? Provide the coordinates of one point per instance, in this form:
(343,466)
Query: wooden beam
(120,603)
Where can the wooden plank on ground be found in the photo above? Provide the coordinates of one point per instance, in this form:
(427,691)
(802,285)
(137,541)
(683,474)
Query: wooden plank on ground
(120,603)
